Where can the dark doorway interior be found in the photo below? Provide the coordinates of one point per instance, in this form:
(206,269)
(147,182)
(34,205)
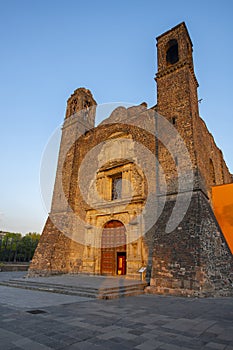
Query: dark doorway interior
(121,263)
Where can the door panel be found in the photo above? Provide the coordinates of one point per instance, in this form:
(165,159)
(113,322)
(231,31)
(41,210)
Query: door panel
(113,241)
(107,262)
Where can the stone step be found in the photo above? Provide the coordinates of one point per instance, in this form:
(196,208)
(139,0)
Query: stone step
(75,287)
(99,293)
(91,290)
(48,289)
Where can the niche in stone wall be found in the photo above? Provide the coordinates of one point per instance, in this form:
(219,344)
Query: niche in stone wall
(212,173)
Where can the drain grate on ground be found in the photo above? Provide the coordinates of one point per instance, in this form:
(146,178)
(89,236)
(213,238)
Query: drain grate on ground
(36,312)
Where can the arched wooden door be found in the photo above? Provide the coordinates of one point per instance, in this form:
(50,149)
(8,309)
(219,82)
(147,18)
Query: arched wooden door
(113,249)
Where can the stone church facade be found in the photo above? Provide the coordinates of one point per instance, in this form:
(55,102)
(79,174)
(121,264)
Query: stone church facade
(135,191)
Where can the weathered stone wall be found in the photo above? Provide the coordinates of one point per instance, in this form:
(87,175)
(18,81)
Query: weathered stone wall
(216,258)
(64,237)
(55,251)
(211,165)
(193,259)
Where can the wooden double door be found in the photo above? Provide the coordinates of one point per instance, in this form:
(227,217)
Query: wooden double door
(113,249)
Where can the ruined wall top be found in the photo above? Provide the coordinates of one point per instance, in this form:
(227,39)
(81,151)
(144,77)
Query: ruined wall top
(80,100)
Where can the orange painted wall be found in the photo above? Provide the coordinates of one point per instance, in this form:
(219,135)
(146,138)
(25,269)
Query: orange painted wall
(222,197)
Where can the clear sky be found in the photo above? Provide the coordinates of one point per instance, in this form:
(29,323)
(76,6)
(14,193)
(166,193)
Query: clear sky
(51,47)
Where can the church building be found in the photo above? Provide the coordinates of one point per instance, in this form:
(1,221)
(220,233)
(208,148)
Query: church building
(133,196)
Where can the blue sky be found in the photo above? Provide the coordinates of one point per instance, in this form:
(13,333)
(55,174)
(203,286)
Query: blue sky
(50,48)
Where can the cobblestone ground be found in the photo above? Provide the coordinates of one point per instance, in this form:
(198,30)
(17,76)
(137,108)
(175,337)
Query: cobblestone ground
(144,322)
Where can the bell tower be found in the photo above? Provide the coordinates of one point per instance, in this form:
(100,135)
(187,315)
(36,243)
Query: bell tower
(177,95)
(79,118)
(190,259)
(59,252)
(176,81)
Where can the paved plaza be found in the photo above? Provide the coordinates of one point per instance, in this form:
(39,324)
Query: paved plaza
(34,320)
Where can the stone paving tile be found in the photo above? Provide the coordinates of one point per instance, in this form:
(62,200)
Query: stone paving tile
(216,346)
(116,346)
(29,345)
(84,346)
(149,345)
(181,324)
(134,343)
(8,346)
(22,298)
(137,331)
(171,347)
(226,334)
(144,322)
(5,276)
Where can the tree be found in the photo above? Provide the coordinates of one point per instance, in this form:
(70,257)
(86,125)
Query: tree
(15,247)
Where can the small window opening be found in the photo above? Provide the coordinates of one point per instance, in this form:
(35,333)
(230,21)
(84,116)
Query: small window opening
(173,120)
(117,186)
(86,104)
(172,55)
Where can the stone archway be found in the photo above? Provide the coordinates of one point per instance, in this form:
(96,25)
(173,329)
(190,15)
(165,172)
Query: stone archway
(113,248)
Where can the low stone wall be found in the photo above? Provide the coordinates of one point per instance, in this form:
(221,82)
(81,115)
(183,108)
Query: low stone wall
(5,267)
